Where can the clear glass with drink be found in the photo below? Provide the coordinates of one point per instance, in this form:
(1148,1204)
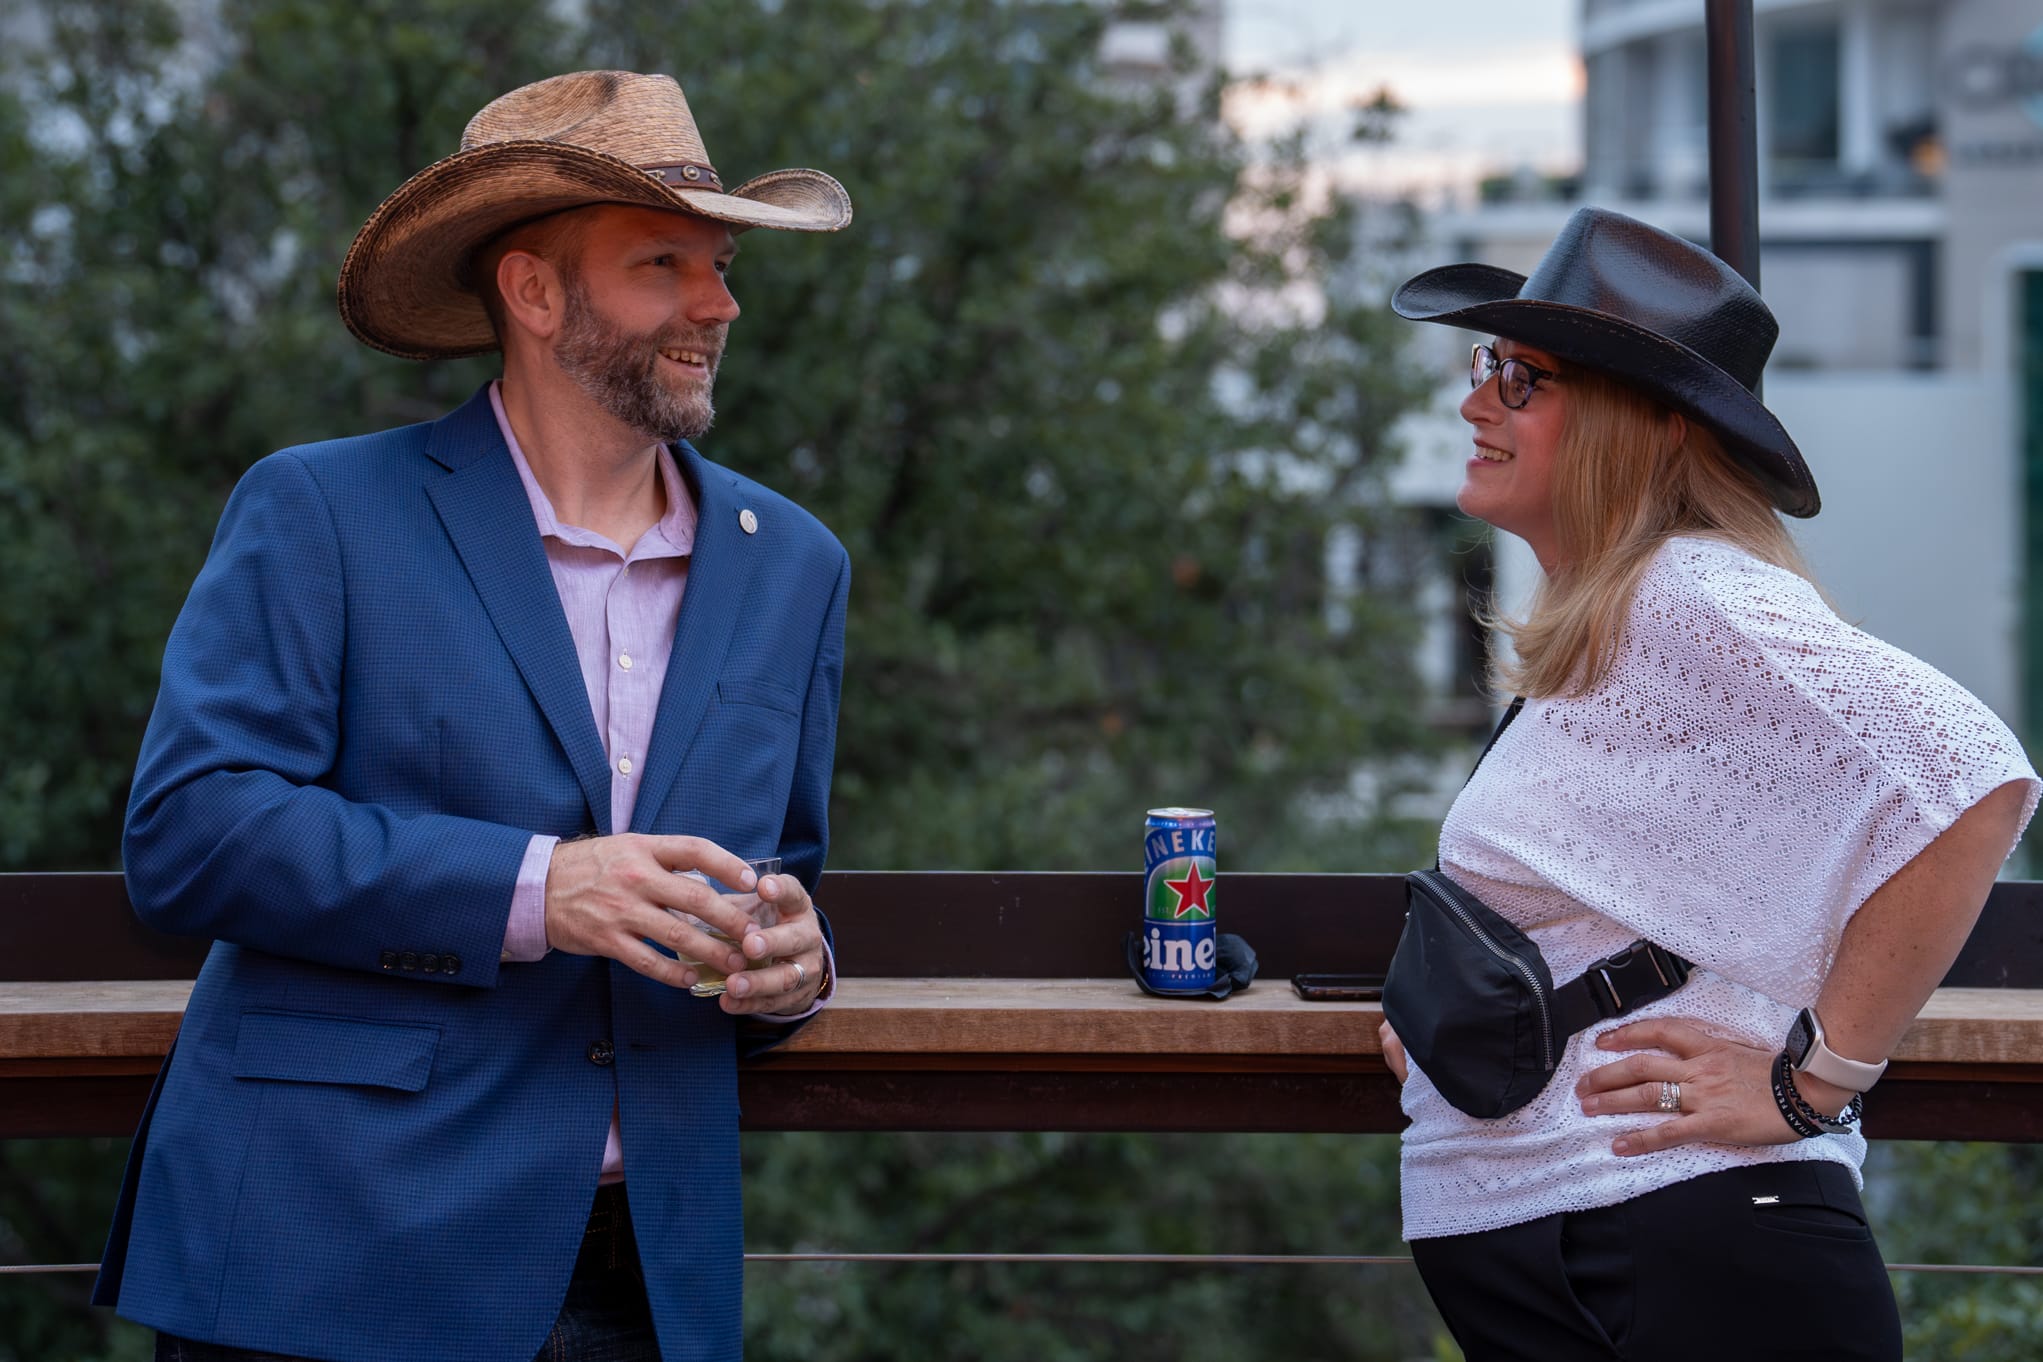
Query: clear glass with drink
(710,979)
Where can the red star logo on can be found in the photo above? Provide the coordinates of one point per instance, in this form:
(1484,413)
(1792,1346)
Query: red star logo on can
(1191,892)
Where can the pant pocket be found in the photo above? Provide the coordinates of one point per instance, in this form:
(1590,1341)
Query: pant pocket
(1818,1202)
(1597,1260)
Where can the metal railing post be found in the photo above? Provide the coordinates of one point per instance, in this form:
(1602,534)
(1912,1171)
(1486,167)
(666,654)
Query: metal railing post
(1734,136)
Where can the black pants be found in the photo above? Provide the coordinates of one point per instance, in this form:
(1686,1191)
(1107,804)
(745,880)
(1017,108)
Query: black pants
(604,1319)
(1747,1264)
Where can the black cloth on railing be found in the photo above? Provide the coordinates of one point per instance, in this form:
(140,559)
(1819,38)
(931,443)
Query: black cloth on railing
(1233,969)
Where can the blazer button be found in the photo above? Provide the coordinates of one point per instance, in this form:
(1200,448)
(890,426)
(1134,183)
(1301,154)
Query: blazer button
(388,960)
(601,1053)
(430,963)
(409,960)
(450,964)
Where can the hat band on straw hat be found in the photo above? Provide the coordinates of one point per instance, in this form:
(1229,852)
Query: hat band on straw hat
(688,175)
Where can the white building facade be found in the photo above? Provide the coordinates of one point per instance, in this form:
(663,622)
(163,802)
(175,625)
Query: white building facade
(1901,225)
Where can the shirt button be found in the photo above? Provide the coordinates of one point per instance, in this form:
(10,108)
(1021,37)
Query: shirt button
(601,1053)
(624,661)
(624,765)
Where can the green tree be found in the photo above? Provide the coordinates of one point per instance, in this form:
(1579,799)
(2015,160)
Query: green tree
(1963,1203)
(1088,493)
(1064,389)
(1050,1193)
(176,200)
(1086,482)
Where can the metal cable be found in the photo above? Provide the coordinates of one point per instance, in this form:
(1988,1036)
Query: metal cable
(1131,1259)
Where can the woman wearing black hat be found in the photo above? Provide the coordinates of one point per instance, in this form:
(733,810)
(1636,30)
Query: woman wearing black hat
(1741,839)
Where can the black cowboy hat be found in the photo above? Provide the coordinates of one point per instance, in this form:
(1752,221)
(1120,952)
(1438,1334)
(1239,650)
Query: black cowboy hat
(1658,312)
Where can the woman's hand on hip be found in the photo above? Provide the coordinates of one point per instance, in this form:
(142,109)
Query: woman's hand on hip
(1393,1050)
(1726,1088)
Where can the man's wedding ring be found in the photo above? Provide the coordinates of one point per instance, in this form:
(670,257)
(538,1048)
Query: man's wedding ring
(802,981)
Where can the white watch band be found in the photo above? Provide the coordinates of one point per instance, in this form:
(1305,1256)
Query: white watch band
(1825,1063)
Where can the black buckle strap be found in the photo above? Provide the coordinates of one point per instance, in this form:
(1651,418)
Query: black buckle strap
(1622,982)
(1639,974)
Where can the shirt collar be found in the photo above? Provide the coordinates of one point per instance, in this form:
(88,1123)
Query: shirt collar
(673,534)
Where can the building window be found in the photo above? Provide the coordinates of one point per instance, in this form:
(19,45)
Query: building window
(1803,108)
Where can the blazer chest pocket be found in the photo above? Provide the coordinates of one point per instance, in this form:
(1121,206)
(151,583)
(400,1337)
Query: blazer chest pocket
(301,1047)
(748,749)
(765,694)
(757,727)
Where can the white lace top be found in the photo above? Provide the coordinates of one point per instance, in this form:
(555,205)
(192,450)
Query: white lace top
(1751,770)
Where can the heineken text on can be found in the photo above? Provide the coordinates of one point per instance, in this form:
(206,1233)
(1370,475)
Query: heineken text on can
(1179,939)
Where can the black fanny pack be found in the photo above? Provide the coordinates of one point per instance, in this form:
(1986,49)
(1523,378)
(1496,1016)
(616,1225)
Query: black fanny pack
(1475,1006)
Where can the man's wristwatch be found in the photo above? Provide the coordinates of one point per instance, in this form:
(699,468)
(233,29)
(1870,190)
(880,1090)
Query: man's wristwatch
(1809,1055)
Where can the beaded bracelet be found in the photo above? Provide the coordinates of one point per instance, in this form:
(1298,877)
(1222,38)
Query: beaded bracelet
(1802,1118)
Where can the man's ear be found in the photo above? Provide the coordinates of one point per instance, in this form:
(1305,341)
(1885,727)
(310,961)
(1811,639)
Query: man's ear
(532,294)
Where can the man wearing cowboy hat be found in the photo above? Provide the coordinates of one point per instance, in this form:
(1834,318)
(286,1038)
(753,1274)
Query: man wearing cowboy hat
(447,707)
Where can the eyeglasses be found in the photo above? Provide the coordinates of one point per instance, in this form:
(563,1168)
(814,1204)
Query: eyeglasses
(1515,377)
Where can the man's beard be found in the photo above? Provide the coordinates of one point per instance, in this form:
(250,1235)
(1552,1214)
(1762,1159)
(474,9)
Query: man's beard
(621,370)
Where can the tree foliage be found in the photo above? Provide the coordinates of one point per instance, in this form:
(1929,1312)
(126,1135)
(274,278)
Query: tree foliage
(1947,1203)
(1087,494)
(1051,1193)
(1087,490)
(177,198)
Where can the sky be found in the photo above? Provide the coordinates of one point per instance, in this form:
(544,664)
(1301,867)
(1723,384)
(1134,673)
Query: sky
(1490,87)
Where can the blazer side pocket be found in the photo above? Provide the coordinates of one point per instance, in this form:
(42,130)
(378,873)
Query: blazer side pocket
(302,1047)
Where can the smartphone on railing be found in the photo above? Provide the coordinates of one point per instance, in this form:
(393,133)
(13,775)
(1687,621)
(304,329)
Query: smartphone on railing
(1339,988)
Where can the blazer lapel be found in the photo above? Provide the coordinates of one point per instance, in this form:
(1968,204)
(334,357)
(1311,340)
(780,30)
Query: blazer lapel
(483,504)
(719,572)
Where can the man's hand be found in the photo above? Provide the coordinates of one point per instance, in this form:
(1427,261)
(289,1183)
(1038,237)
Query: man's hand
(795,943)
(608,895)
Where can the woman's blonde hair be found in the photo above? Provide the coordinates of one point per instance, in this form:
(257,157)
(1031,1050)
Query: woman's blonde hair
(1623,484)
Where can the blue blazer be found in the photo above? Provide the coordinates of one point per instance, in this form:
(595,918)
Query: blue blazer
(372,1140)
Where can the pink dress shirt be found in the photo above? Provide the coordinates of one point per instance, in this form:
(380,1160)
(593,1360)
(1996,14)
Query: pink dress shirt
(621,608)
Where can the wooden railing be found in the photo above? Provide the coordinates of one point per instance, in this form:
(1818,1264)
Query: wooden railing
(1000,1002)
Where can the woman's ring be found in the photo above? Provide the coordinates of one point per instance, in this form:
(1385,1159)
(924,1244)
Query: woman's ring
(802,982)
(1670,1097)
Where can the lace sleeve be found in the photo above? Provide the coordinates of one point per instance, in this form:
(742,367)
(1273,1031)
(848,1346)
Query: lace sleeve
(1897,724)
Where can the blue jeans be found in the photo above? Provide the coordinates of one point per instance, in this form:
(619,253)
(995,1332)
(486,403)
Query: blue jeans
(604,1319)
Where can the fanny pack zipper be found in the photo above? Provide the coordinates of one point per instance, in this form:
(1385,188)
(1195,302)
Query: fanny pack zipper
(1446,899)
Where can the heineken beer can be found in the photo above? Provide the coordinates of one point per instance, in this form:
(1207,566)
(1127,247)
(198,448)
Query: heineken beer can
(1180,942)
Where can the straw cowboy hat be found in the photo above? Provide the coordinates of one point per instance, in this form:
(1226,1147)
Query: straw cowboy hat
(585,138)
(1658,312)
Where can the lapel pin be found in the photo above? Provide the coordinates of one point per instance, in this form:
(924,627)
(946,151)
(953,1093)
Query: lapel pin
(748,522)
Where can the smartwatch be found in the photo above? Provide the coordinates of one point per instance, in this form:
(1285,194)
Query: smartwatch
(1809,1055)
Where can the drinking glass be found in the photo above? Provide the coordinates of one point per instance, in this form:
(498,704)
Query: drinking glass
(710,980)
